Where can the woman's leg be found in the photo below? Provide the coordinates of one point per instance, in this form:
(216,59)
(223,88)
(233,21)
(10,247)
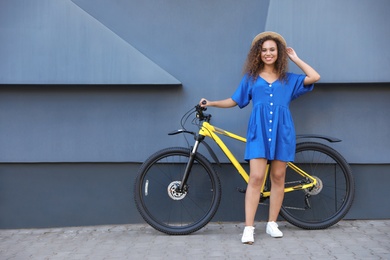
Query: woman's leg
(278,174)
(252,196)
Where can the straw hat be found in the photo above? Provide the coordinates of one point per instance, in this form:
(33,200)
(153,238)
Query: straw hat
(272,34)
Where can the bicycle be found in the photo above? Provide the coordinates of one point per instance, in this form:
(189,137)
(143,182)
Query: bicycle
(319,188)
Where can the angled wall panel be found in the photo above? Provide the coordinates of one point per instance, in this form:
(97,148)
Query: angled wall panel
(56,42)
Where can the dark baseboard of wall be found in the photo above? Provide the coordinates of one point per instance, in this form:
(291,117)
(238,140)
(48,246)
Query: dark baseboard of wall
(43,195)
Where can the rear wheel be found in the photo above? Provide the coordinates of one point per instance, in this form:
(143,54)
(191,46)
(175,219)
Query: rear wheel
(331,199)
(159,200)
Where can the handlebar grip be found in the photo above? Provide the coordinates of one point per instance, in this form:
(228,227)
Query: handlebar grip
(204,102)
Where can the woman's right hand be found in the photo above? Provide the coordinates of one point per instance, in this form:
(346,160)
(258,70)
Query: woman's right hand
(203,102)
(225,103)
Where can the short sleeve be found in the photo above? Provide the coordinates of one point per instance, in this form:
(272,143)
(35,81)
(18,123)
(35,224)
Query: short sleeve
(299,88)
(242,96)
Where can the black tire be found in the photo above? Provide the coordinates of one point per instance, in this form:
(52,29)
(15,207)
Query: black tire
(327,205)
(170,212)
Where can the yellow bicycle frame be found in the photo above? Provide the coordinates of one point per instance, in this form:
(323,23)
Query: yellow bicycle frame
(211,131)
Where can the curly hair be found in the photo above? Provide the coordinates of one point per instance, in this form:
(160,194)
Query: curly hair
(254,65)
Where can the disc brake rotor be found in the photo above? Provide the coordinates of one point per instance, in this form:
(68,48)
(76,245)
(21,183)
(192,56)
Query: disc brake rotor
(173,192)
(317,188)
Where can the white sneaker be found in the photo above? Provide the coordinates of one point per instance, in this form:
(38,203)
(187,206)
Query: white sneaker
(273,230)
(247,236)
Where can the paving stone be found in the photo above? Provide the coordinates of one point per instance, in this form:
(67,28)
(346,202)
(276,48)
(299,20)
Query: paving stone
(362,239)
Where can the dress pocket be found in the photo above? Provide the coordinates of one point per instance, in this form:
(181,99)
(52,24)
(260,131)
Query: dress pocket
(252,132)
(287,134)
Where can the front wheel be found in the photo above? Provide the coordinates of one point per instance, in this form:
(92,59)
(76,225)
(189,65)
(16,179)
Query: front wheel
(330,200)
(163,205)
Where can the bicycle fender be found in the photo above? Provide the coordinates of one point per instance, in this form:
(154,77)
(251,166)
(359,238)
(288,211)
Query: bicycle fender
(324,137)
(180,131)
(211,152)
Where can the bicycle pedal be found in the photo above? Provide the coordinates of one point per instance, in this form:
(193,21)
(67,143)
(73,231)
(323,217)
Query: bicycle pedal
(262,199)
(241,190)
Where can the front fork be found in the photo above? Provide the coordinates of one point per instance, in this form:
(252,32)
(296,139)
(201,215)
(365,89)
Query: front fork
(183,185)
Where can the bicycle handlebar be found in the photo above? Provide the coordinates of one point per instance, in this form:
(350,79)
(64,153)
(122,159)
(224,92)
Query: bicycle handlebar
(200,115)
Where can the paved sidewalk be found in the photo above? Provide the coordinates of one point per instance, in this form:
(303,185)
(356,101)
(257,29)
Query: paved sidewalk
(345,240)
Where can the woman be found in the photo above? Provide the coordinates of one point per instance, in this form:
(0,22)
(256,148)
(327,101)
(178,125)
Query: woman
(271,133)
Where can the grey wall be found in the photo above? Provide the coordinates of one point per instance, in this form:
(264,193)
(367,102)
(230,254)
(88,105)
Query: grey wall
(199,45)
(355,113)
(89,82)
(345,40)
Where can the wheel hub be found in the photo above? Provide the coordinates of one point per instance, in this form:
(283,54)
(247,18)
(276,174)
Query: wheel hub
(173,192)
(317,188)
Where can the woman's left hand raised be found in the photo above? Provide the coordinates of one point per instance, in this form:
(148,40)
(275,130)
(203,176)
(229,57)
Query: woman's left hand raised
(291,53)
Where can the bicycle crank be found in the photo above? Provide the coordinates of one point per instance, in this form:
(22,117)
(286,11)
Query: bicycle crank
(173,191)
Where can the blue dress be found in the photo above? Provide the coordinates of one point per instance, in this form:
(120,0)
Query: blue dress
(271,132)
